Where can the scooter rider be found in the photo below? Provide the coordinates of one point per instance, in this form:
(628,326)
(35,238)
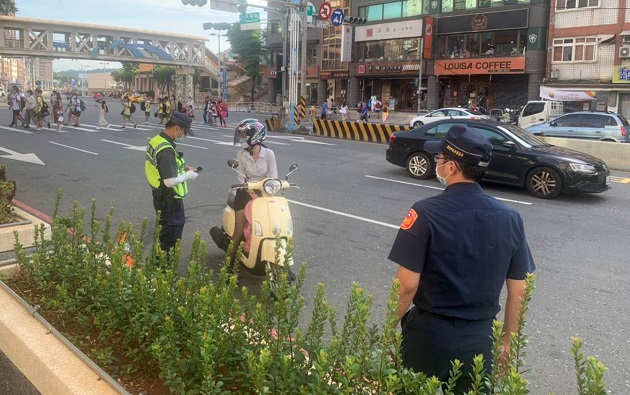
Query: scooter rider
(256,162)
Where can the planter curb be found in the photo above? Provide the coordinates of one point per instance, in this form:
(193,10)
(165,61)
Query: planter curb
(48,363)
(26,231)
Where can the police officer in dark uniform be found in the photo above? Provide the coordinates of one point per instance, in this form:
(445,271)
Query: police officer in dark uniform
(168,174)
(455,251)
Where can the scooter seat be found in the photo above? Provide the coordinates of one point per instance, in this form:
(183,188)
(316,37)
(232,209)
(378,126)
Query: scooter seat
(231,197)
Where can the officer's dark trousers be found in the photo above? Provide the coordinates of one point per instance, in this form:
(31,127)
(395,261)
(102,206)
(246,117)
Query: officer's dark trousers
(172,219)
(431,342)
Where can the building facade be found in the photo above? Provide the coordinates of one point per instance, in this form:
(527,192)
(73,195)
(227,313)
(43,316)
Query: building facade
(588,62)
(426,54)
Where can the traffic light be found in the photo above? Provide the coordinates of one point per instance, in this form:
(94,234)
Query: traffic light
(353,20)
(216,26)
(241,6)
(199,3)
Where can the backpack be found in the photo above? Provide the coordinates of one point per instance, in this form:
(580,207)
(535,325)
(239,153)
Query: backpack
(44,109)
(22,100)
(143,106)
(133,108)
(81,105)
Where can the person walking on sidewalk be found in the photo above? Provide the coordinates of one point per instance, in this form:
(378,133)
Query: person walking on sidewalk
(344,111)
(455,252)
(29,109)
(102,122)
(127,111)
(364,113)
(17,102)
(57,109)
(385,112)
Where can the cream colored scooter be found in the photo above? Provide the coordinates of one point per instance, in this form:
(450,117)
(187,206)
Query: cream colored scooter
(270,220)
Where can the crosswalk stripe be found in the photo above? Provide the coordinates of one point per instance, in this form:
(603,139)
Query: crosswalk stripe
(16,130)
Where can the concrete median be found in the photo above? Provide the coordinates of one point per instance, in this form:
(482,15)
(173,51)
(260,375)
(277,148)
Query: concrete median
(616,155)
(360,131)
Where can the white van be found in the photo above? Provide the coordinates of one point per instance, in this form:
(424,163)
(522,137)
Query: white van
(539,111)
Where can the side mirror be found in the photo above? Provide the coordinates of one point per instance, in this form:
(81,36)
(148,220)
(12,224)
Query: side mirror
(233,163)
(553,123)
(509,144)
(292,168)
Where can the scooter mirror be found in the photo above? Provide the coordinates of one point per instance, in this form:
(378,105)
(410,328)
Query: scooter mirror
(292,168)
(233,163)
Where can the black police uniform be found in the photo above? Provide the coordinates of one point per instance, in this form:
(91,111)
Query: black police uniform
(465,244)
(173,217)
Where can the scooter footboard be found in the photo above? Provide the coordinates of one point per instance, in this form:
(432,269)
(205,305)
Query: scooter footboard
(268,252)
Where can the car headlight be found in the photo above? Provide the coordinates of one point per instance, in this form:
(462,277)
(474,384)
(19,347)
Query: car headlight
(272,187)
(582,168)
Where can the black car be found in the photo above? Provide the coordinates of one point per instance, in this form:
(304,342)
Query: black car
(518,158)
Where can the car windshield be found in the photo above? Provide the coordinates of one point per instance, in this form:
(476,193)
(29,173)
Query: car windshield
(524,138)
(474,112)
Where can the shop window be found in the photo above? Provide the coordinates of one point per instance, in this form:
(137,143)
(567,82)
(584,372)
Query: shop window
(392,10)
(484,3)
(447,5)
(573,4)
(412,7)
(496,3)
(579,49)
(375,12)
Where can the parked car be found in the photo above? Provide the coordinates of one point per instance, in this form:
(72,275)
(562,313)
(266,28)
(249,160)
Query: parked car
(446,113)
(592,125)
(518,158)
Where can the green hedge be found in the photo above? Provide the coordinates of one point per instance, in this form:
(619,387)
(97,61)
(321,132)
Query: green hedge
(204,335)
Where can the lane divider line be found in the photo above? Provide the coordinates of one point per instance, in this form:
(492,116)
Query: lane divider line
(74,148)
(441,189)
(344,214)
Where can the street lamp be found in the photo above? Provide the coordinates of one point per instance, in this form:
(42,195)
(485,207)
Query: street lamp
(222,71)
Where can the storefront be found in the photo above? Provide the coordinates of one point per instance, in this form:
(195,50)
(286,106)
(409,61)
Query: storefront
(336,84)
(480,59)
(387,62)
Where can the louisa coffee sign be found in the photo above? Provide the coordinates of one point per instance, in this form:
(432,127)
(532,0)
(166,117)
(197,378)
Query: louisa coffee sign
(510,65)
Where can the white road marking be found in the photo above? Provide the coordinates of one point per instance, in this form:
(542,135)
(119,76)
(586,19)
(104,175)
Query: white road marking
(30,158)
(71,128)
(210,140)
(441,189)
(186,145)
(127,146)
(16,130)
(345,214)
(74,148)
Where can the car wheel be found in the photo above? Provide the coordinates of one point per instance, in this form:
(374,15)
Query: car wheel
(417,124)
(544,183)
(419,166)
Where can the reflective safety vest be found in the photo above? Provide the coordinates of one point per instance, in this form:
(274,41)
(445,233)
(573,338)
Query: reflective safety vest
(157,144)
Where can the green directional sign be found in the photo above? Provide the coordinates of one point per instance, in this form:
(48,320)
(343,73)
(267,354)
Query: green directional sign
(250,21)
(246,19)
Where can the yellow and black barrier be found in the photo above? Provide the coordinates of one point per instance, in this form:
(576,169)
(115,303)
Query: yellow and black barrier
(361,131)
(273,123)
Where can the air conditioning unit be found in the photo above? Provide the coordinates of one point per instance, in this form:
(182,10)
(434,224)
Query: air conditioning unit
(626,39)
(624,52)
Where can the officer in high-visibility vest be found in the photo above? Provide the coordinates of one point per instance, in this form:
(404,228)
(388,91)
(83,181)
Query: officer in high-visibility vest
(168,174)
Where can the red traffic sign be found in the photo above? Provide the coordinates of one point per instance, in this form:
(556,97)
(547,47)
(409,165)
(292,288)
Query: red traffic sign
(325,10)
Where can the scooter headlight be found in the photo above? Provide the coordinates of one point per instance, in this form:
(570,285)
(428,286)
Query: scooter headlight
(272,187)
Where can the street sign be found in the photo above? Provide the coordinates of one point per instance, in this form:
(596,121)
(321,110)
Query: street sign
(325,10)
(310,10)
(250,21)
(322,25)
(337,17)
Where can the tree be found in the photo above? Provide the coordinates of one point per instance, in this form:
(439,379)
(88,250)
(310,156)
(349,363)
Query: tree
(163,76)
(126,74)
(248,45)
(7,7)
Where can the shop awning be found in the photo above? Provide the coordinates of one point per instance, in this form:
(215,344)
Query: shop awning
(602,38)
(625,33)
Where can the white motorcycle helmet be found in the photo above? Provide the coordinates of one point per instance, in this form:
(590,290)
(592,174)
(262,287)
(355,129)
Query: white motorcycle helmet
(250,132)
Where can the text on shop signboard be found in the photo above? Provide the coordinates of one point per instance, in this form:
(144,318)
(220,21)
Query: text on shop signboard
(511,65)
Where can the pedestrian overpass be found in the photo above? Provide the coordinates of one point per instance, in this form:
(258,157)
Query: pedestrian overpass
(68,40)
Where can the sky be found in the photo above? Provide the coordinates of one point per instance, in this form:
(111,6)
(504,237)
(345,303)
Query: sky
(158,15)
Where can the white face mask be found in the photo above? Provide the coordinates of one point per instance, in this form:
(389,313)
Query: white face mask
(441,179)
